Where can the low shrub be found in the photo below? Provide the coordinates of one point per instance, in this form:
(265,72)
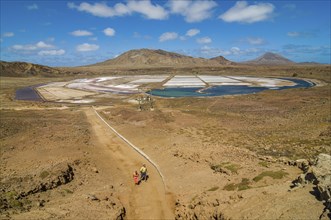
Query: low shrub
(273,174)
(44,174)
(243,185)
(233,168)
(213,188)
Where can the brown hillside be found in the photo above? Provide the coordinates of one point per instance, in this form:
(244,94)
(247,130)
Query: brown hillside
(221,60)
(25,69)
(161,58)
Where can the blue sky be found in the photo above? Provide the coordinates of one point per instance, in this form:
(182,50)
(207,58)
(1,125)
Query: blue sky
(72,33)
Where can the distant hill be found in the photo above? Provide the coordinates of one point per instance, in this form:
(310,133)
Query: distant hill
(23,69)
(270,59)
(221,60)
(310,63)
(153,58)
(138,59)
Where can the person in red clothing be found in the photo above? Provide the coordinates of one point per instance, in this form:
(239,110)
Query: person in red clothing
(136,177)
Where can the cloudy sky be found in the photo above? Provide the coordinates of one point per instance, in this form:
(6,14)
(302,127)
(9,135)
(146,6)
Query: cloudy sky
(72,33)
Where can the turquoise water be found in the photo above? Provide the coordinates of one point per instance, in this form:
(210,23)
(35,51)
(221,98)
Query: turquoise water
(223,90)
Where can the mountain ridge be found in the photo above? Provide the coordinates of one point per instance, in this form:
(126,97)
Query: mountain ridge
(142,59)
(28,69)
(149,57)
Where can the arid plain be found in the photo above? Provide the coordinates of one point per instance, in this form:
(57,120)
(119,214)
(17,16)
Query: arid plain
(227,157)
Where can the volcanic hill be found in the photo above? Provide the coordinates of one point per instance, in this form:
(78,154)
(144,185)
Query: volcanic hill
(221,60)
(160,58)
(270,59)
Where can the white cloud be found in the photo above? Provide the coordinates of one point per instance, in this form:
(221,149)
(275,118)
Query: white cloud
(8,34)
(33,7)
(81,33)
(192,32)
(293,34)
(136,35)
(109,32)
(244,13)
(303,34)
(255,41)
(234,52)
(24,47)
(307,49)
(168,36)
(51,39)
(193,11)
(207,51)
(182,38)
(87,47)
(146,8)
(43,45)
(98,9)
(204,40)
(37,46)
(93,38)
(51,52)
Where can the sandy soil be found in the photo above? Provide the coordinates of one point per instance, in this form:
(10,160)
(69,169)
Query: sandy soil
(149,199)
(211,152)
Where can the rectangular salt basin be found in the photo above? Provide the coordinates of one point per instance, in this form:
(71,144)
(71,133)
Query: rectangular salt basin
(212,79)
(126,86)
(107,78)
(54,84)
(184,85)
(265,82)
(82,80)
(184,81)
(150,80)
(229,84)
(117,88)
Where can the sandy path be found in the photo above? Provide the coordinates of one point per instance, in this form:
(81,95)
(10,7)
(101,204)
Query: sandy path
(149,200)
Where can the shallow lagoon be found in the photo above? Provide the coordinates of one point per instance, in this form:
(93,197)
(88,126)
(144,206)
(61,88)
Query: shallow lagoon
(223,89)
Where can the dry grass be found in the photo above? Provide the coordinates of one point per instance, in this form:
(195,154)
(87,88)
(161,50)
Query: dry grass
(243,185)
(273,174)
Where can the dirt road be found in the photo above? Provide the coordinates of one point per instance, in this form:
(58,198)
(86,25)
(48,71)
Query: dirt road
(149,200)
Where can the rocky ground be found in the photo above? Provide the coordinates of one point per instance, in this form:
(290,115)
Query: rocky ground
(48,168)
(237,157)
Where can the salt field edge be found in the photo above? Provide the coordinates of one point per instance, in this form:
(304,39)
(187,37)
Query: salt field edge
(165,86)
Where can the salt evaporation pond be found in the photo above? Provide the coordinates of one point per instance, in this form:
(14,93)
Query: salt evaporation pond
(28,94)
(175,86)
(174,92)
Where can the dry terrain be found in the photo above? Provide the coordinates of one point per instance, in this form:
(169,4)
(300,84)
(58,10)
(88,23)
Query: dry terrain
(226,157)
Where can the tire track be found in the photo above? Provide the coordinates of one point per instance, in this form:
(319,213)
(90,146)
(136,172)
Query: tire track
(133,147)
(149,200)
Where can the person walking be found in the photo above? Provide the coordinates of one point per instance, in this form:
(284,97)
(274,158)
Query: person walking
(136,177)
(143,173)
